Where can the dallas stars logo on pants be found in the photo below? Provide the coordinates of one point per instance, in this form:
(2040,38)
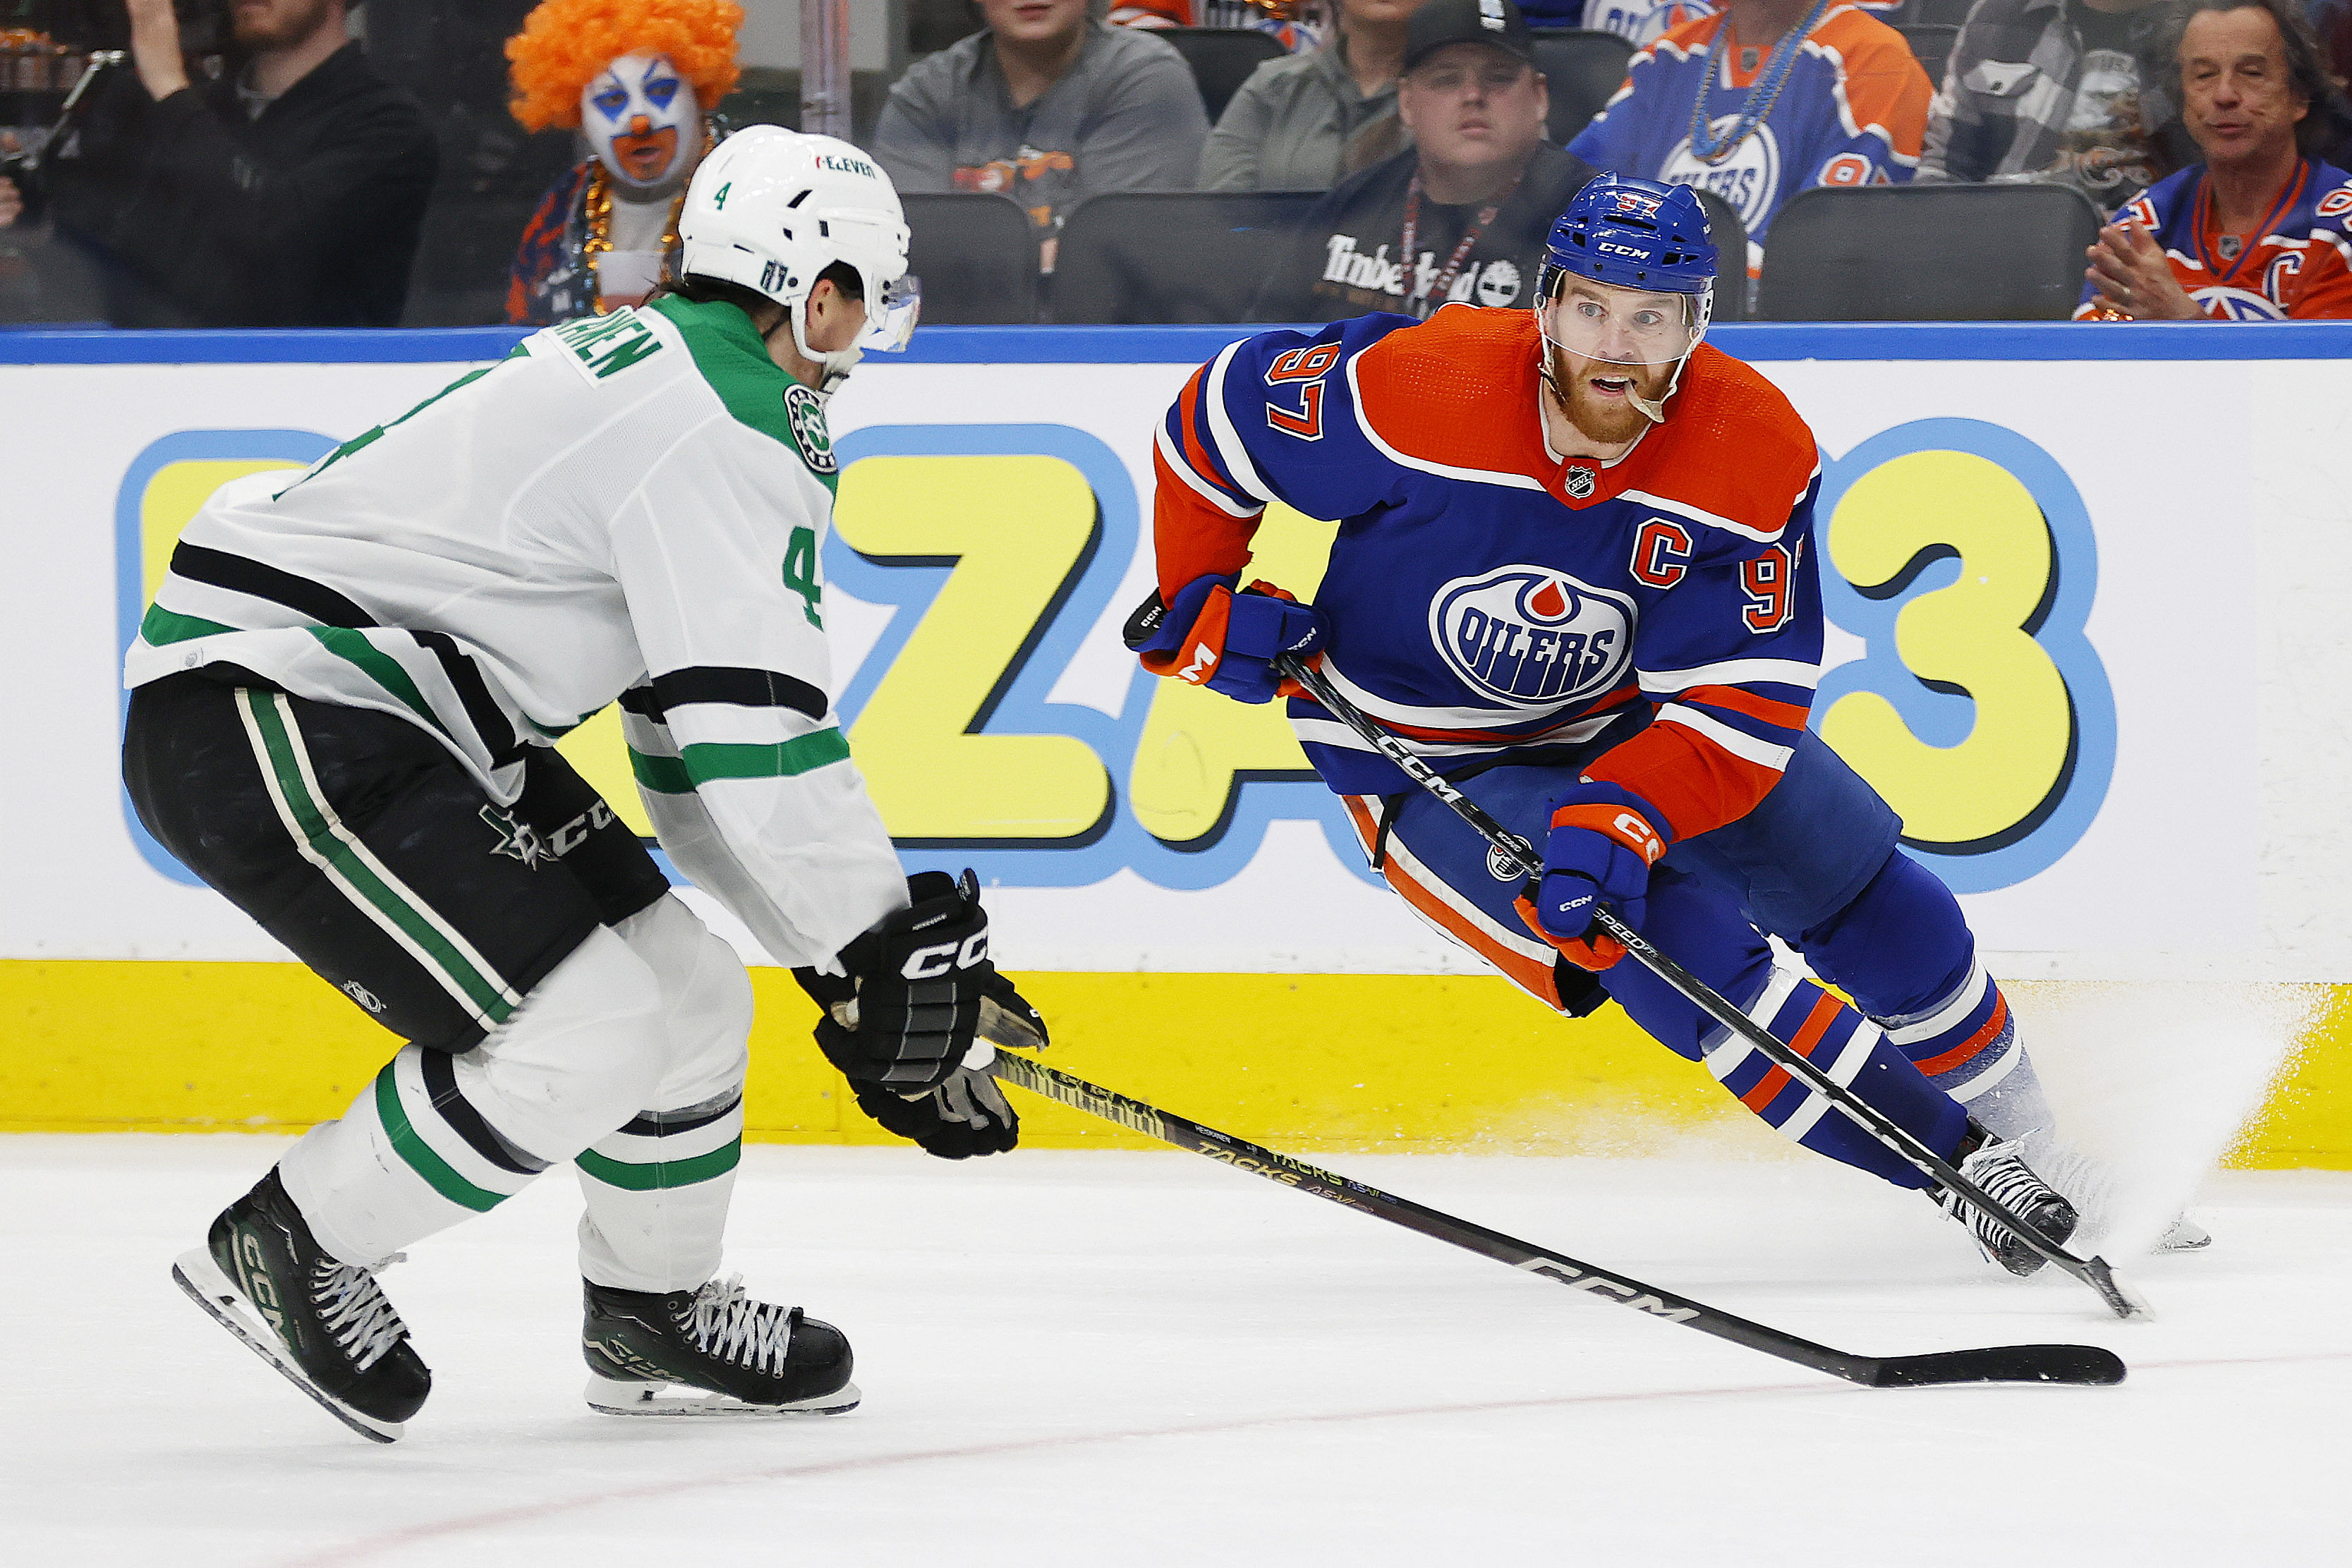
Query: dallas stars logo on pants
(516,837)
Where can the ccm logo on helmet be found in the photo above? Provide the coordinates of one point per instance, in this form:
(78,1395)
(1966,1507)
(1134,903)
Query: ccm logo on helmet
(931,963)
(1615,250)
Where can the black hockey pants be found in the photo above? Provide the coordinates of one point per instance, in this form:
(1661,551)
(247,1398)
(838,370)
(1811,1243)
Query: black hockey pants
(357,840)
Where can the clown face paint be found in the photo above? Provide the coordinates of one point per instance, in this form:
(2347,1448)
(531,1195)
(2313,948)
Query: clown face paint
(643,122)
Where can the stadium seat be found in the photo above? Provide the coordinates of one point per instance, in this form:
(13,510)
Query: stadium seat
(1931,45)
(1171,255)
(976,254)
(1928,253)
(1581,69)
(1933,12)
(1730,237)
(1222,59)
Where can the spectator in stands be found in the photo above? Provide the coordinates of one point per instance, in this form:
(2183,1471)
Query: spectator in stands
(1304,123)
(1297,26)
(1763,100)
(1635,21)
(288,193)
(639,79)
(2258,231)
(2069,91)
(1462,214)
(1048,107)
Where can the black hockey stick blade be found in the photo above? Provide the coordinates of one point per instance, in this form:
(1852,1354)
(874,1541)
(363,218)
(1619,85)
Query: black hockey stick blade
(2018,1364)
(2082,1364)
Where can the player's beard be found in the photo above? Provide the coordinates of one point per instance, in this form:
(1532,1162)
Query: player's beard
(1612,421)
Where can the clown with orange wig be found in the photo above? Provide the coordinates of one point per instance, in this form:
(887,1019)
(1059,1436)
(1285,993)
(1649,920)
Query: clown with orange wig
(638,79)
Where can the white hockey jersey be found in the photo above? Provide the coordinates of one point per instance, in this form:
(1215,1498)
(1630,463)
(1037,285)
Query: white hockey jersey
(630,506)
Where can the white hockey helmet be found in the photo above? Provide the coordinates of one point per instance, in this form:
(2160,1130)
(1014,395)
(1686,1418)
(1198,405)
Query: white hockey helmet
(770,209)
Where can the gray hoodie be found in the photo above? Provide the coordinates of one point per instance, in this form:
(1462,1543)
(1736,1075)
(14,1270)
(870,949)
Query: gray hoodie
(1289,127)
(1127,116)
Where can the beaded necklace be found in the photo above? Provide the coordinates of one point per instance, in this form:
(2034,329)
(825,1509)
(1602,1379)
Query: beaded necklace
(598,206)
(1761,95)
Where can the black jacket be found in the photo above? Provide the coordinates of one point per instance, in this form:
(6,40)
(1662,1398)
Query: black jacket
(198,215)
(1346,259)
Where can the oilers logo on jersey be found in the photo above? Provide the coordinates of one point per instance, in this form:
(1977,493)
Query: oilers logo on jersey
(1532,637)
(1749,179)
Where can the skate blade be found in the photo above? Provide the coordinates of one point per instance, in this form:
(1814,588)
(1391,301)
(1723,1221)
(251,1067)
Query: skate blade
(201,1278)
(614,1396)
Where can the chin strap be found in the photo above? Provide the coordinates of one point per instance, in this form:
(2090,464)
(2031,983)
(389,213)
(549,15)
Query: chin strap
(837,365)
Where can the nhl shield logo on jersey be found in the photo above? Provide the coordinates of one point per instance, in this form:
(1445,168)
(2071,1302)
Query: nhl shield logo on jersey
(1579,484)
(805,410)
(1530,636)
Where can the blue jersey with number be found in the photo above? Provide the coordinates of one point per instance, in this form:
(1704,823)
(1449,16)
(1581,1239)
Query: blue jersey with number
(1852,111)
(1485,594)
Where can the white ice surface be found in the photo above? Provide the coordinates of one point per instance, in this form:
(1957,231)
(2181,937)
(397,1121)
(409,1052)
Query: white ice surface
(1141,1358)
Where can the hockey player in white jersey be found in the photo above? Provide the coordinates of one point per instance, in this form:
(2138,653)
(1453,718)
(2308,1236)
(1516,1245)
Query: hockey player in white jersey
(343,700)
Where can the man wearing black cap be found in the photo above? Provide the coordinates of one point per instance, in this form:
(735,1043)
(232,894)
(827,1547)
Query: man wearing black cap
(1462,213)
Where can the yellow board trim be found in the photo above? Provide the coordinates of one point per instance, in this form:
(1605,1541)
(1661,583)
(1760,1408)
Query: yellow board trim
(1338,1064)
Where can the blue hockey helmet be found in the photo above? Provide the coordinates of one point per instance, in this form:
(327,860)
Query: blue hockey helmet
(1631,233)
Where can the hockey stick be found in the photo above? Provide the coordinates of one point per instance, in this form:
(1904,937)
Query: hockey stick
(2093,1271)
(2076,1363)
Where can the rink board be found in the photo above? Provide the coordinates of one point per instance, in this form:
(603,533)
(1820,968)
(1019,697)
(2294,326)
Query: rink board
(2094,543)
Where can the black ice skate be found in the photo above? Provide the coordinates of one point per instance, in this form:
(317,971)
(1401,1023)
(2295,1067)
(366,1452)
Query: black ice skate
(1999,1168)
(324,1323)
(728,1354)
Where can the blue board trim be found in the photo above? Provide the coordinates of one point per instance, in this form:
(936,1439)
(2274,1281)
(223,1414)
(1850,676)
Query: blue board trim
(1763,341)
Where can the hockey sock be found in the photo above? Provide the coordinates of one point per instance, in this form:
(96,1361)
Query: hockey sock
(657,1192)
(1853,1052)
(438,1139)
(412,1156)
(1968,1047)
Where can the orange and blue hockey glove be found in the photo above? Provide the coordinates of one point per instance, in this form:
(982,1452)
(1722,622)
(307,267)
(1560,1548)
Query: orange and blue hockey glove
(1601,846)
(1226,640)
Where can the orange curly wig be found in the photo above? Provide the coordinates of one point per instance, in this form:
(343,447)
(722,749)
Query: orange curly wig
(564,45)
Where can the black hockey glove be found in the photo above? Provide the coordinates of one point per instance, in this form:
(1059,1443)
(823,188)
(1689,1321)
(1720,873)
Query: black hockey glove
(910,1008)
(965,1115)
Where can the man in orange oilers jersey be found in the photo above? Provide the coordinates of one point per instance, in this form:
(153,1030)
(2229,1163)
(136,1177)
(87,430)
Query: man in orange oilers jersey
(1574,570)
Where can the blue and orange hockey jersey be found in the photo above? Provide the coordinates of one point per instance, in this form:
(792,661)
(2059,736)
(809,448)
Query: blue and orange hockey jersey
(2300,269)
(1484,595)
(1853,111)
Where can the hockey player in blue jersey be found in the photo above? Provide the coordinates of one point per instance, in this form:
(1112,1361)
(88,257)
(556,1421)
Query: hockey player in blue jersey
(1575,569)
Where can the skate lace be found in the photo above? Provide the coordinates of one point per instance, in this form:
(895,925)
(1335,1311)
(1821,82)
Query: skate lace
(352,1308)
(727,1324)
(2008,1181)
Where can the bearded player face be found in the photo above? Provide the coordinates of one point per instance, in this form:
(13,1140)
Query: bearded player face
(643,120)
(1606,347)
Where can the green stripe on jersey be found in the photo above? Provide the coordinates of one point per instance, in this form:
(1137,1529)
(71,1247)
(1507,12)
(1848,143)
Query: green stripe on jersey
(325,837)
(354,649)
(161,627)
(787,760)
(664,1175)
(412,1147)
(662,775)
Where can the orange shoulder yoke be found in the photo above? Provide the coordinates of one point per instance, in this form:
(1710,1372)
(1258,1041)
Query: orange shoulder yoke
(1458,390)
(1733,445)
